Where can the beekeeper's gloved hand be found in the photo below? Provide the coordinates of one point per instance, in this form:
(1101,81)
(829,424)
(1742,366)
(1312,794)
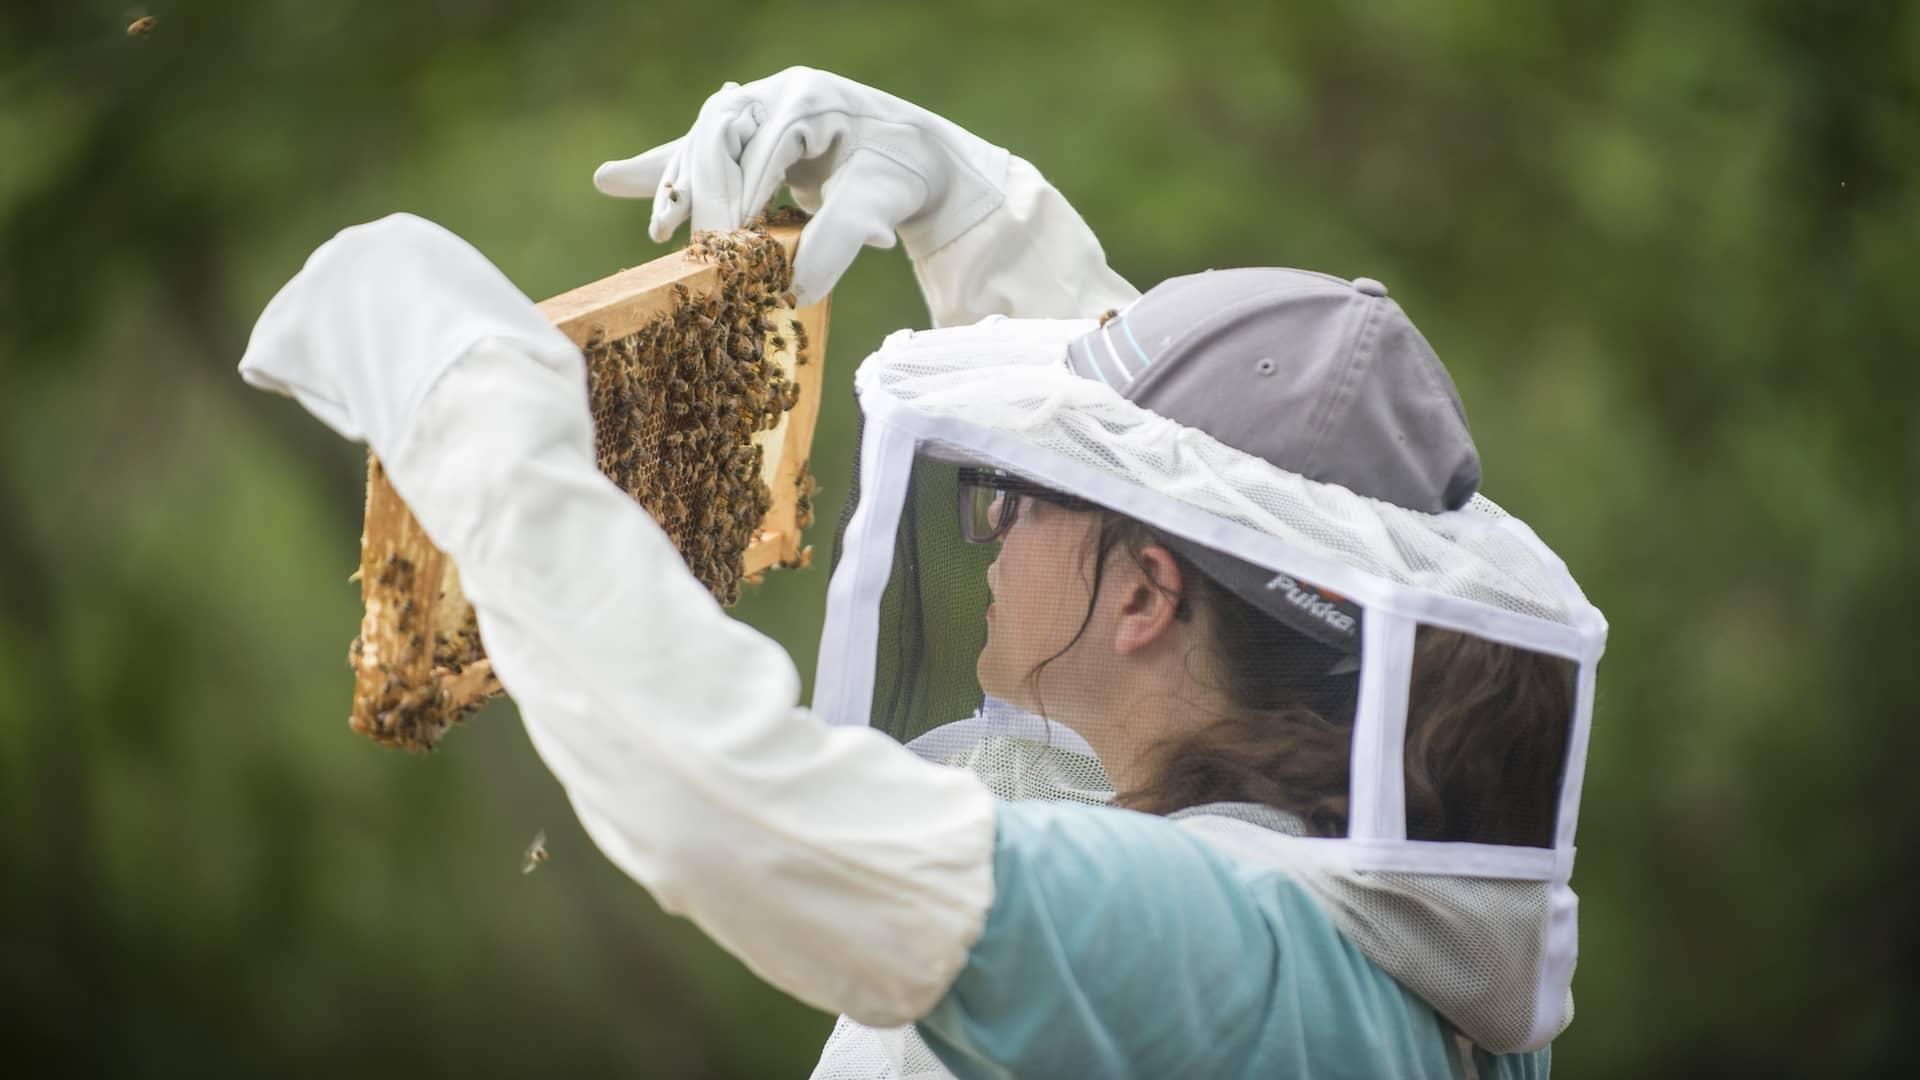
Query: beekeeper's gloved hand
(987,234)
(865,163)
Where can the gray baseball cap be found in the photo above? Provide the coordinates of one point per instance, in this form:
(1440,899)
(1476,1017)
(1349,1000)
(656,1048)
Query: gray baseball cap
(1321,376)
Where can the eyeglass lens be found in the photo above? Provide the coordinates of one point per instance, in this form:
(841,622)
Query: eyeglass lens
(986,512)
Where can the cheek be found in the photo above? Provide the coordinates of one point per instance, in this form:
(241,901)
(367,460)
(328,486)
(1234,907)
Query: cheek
(1042,593)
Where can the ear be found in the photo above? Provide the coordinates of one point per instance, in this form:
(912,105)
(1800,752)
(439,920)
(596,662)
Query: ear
(1152,599)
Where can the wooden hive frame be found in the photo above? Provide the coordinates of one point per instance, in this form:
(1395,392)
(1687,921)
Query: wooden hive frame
(418,662)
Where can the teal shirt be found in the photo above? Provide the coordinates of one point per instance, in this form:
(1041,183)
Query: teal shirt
(1119,945)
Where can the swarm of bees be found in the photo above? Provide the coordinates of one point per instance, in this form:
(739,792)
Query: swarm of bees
(676,405)
(683,410)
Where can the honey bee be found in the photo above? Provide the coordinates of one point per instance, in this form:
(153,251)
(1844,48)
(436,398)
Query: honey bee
(141,27)
(536,853)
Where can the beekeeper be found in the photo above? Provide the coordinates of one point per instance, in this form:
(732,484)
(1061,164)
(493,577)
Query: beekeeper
(1182,709)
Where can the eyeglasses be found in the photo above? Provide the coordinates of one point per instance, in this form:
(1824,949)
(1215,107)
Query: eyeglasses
(990,502)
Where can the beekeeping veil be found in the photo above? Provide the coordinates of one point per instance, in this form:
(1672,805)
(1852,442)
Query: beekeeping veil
(1391,678)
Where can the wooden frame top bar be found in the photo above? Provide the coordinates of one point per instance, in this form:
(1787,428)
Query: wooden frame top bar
(622,303)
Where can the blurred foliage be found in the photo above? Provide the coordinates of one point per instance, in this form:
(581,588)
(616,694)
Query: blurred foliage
(1666,248)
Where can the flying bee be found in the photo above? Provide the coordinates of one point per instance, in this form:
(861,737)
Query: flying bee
(536,853)
(141,27)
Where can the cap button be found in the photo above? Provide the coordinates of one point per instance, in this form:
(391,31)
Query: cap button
(1369,286)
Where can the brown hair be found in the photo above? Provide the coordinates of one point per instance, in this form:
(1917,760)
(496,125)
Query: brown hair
(1487,723)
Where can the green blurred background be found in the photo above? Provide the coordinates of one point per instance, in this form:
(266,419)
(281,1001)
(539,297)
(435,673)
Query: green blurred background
(1668,250)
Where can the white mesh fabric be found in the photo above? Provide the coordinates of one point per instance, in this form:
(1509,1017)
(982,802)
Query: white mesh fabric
(1017,768)
(855,1051)
(1020,756)
(1461,943)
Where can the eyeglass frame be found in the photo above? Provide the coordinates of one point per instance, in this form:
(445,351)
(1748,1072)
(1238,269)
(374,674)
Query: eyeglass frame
(1005,484)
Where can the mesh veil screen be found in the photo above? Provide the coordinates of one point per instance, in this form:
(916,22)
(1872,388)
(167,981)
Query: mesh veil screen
(1021,659)
(932,616)
(853,492)
(1487,733)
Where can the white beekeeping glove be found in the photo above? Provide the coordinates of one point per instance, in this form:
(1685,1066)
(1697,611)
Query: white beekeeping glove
(869,165)
(832,861)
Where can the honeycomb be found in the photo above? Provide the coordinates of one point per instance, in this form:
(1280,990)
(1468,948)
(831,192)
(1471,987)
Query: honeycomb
(676,406)
(685,409)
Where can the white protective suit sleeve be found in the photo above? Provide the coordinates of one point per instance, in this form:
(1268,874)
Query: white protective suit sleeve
(833,862)
(1033,257)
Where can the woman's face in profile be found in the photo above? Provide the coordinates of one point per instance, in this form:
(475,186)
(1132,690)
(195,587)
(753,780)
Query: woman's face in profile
(1041,582)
